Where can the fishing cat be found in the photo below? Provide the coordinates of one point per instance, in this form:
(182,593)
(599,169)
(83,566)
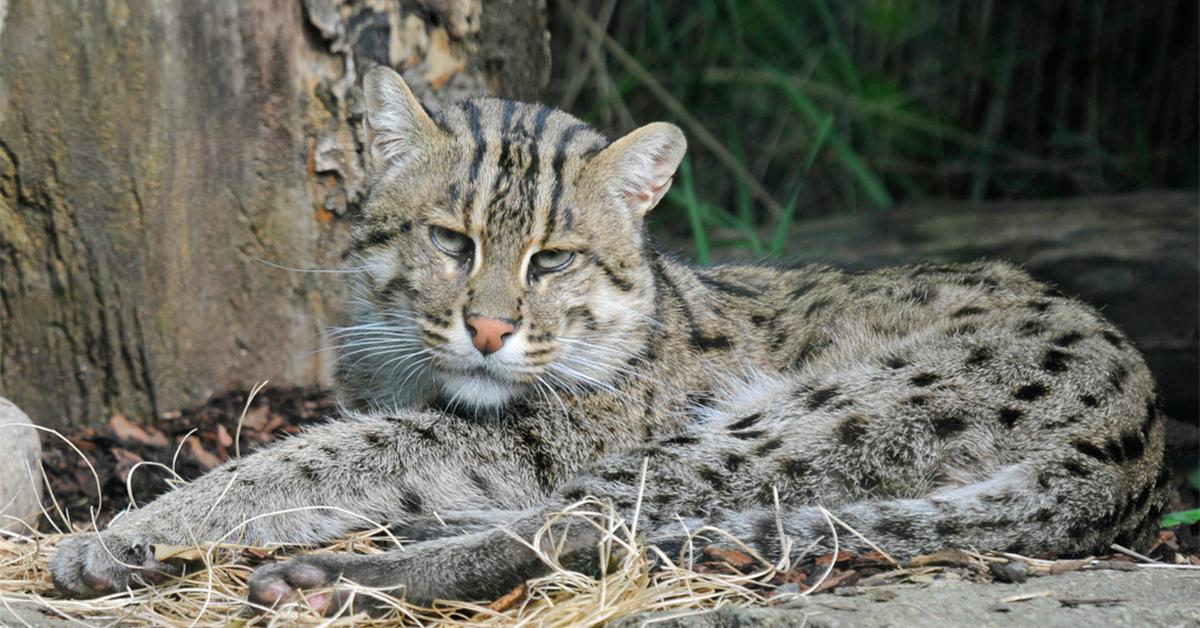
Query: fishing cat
(517,344)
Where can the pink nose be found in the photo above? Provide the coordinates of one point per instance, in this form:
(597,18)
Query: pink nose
(488,334)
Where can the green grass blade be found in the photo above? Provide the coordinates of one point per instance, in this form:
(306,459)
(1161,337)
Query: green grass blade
(686,197)
(862,174)
(783,227)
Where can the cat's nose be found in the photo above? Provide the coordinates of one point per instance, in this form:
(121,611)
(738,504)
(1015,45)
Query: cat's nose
(488,334)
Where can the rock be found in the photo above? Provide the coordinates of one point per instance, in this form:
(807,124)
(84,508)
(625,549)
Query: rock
(20,479)
(1014,572)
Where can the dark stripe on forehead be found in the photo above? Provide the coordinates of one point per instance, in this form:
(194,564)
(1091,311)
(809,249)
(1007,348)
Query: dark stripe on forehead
(560,160)
(529,186)
(617,280)
(477,136)
(504,162)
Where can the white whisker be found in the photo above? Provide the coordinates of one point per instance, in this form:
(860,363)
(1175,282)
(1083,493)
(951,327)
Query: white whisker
(334,271)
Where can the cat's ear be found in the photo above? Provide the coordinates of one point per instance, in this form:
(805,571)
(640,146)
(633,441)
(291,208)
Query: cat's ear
(397,125)
(638,167)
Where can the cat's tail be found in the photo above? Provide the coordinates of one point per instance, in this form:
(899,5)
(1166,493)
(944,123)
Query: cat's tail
(1018,510)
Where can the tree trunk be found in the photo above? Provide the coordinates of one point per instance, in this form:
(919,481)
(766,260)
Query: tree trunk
(152,153)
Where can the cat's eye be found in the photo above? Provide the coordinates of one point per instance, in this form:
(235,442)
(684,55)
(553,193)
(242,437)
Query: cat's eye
(549,261)
(452,243)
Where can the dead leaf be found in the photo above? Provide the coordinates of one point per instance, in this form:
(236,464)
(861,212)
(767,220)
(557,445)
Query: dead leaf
(202,456)
(794,575)
(836,579)
(223,437)
(260,553)
(714,567)
(127,431)
(508,600)
(735,559)
(275,422)
(177,552)
(1166,538)
(843,556)
(85,446)
(256,417)
(126,460)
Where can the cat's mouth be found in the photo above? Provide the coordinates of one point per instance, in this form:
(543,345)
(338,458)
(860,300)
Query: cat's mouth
(498,373)
(478,386)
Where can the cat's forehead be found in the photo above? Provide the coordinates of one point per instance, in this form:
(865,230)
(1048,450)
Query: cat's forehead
(514,170)
(534,127)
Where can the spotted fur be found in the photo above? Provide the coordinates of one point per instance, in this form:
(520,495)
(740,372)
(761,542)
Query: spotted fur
(925,406)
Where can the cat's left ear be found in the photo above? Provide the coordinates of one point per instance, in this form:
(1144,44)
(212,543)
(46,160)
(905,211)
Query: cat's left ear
(638,167)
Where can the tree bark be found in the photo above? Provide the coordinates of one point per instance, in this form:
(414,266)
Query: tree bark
(152,153)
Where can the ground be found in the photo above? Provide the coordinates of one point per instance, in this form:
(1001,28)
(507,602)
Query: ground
(1150,597)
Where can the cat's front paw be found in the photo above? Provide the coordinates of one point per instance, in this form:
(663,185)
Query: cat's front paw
(91,564)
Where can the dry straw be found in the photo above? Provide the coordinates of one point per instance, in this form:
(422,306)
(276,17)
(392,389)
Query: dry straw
(634,578)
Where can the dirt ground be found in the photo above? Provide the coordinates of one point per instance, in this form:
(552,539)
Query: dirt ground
(1148,597)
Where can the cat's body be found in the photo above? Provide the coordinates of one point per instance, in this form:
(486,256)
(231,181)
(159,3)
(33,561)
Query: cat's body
(542,351)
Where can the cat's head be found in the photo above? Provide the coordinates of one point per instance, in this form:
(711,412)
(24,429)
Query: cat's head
(501,251)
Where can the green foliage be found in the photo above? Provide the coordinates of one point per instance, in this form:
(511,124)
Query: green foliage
(1181,518)
(798,109)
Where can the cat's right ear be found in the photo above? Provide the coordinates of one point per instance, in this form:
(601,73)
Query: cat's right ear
(397,126)
(638,167)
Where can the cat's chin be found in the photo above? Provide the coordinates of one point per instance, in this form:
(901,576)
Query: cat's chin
(477,390)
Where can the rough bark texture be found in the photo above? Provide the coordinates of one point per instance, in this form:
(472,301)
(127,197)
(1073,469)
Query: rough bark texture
(152,152)
(1136,257)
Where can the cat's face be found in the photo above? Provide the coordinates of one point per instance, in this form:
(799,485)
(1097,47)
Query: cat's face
(501,252)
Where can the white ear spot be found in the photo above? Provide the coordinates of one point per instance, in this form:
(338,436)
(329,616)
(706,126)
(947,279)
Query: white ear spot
(638,167)
(397,126)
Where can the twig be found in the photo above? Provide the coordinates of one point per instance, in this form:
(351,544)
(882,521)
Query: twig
(1128,552)
(1025,597)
